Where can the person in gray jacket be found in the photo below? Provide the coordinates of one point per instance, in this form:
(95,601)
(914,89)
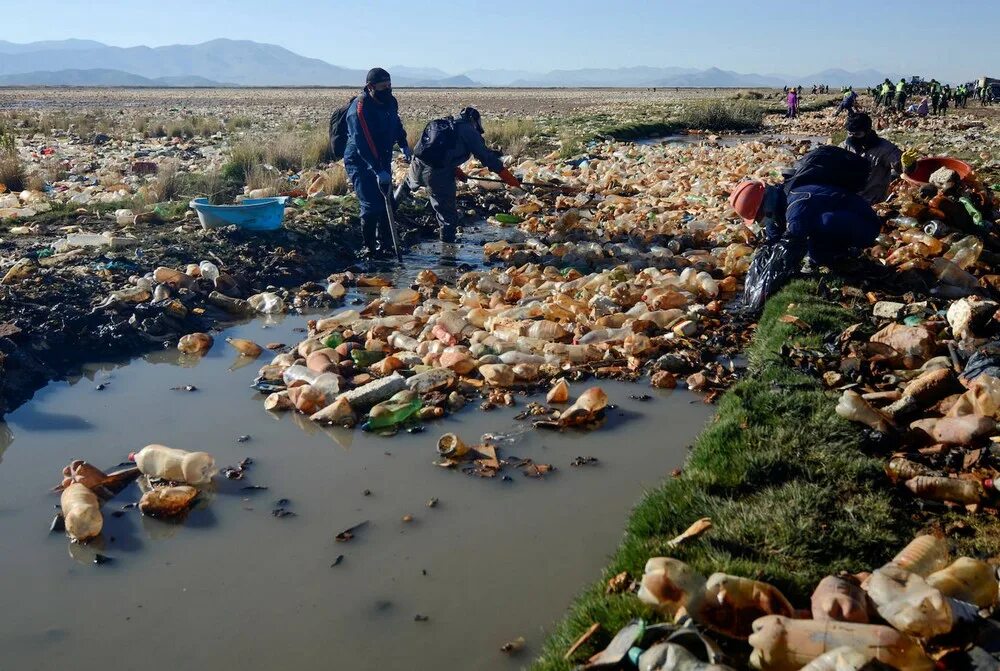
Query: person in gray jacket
(444,146)
(885,157)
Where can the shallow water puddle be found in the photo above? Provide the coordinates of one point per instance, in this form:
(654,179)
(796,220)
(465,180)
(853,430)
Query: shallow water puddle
(236,586)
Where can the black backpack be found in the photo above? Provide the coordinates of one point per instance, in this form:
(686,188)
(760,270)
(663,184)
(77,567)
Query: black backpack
(338,132)
(435,142)
(830,166)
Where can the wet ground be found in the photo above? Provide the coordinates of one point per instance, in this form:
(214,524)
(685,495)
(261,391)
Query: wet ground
(233,585)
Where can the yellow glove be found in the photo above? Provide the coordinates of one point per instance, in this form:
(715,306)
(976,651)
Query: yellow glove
(909,158)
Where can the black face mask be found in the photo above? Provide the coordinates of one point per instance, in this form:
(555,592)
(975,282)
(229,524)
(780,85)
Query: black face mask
(862,143)
(384,96)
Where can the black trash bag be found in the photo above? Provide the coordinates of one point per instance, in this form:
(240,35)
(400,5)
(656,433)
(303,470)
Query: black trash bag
(985,361)
(773,265)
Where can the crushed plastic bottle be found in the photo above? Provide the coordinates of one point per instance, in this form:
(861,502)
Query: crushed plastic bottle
(160,461)
(81,512)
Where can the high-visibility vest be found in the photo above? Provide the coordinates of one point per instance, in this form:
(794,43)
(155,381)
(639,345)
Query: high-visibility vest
(900,87)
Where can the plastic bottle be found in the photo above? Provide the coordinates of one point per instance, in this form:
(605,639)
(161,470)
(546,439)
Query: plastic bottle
(209,271)
(901,468)
(333,340)
(81,512)
(839,599)
(732,604)
(932,245)
(159,461)
(923,555)
(267,303)
(783,644)
(855,409)
(967,579)
(965,252)
(298,373)
(977,216)
(234,306)
(395,411)
(934,488)
(605,336)
(949,273)
(364,358)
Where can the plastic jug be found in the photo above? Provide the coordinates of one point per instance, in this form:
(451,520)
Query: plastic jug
(209,271)
(160,461)
(839,599)
(81,512)
(732,604)
(298,374)
(783,644)
(967,579)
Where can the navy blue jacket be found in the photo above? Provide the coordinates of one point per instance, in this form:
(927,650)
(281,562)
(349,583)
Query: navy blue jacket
(384,130)
(826,222)
(468,142)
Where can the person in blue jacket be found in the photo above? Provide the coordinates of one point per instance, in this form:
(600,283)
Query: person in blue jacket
(829,224)
(373,129)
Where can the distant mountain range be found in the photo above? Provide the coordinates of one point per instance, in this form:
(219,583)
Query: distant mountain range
(226,62)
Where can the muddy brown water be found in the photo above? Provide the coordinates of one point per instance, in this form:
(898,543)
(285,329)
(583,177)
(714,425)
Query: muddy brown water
(235,587)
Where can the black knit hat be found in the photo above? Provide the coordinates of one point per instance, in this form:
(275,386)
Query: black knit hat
(377,76)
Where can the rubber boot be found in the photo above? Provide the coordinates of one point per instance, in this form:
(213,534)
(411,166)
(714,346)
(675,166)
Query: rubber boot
(369,228)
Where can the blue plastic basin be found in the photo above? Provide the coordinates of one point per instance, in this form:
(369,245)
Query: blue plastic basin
(253,214)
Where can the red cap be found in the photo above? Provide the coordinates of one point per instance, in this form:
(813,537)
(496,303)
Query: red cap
(131,456)
(747,198)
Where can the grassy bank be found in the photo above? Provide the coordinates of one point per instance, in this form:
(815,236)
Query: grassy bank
(791,491)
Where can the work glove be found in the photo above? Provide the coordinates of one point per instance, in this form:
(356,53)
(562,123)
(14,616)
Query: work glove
(909,159)
(509,179)
(384,179)
(407,154)
(460,175)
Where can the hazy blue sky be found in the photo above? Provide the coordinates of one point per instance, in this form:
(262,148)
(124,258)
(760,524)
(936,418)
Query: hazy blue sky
(953,39)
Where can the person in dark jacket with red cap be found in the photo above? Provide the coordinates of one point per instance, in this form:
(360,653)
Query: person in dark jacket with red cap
(828,223)
(373,129)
